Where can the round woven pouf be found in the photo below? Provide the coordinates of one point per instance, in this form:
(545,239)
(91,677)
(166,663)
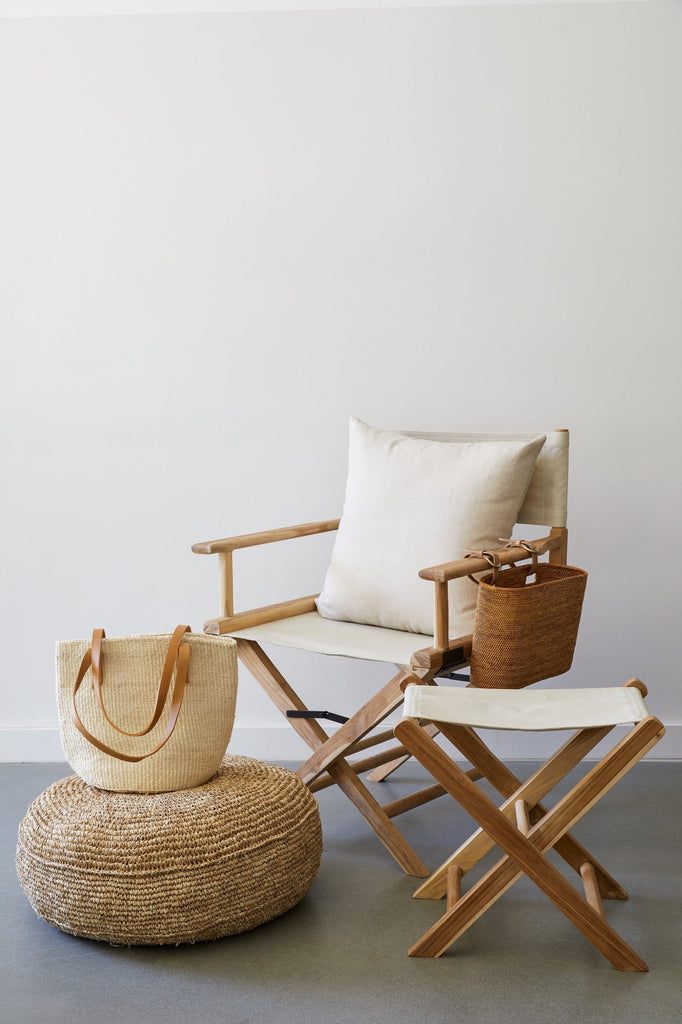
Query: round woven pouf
(167,868)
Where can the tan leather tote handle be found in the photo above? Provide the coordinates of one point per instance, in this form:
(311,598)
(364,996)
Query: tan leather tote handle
(96,667)
(178,653)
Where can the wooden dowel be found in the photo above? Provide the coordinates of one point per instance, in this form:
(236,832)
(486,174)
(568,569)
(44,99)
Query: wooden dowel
(522,819)
(225,580)
(422,796)
(406,803)
(454,885)
(441,629)
(371,741)
(558,555)
(592,894)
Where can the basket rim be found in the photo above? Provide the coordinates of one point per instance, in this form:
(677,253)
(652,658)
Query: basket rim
(574,573)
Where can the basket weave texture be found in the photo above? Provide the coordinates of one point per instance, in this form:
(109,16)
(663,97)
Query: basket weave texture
(525,632)
(132,668)
(171,868)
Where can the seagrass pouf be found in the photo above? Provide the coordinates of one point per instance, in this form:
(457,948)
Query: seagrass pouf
(169,868)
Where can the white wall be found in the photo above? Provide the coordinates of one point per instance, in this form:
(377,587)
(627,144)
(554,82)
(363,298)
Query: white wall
(223,234)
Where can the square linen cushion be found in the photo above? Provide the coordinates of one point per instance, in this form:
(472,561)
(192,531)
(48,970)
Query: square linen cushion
(412,503)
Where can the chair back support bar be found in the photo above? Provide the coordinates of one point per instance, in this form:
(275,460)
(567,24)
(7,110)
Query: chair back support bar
(546,499)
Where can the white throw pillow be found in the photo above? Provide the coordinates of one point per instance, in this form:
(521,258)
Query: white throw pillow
(412,503)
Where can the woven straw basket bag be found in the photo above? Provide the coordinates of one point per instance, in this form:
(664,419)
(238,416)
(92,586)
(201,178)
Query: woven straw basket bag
(524,630)
(148,713)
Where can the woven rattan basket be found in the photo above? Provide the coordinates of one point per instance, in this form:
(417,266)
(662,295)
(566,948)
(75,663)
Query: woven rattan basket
(526,631)
(168,868)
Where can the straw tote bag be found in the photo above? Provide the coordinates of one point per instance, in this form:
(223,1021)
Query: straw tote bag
(182,685)
(526,622)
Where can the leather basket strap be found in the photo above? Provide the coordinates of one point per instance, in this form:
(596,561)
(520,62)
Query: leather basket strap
(178,653)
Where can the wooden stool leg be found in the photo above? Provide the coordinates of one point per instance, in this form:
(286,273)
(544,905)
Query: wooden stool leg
(532,791)
(527,852)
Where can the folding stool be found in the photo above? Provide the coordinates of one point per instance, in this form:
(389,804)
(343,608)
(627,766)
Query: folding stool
(523,829)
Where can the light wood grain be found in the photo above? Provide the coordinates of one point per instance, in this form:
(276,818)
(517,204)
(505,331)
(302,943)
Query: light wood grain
(441,622)
(525,854)
(284,697)
(541,782)
(225,577)
(366,718)
(258,616)
(249,540)
(462,567)
(454,885)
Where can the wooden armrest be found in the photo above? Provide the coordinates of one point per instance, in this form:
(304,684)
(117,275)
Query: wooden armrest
(468,566)
(442,574)
(228,621)
(249,540)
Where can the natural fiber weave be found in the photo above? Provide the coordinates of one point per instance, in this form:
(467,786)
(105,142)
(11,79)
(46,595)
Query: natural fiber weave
(169,868)
(132,668)
(524,632)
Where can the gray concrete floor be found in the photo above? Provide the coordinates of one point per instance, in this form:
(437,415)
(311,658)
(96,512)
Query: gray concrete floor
(341,955)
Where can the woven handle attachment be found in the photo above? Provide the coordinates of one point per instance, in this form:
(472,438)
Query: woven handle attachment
(527,546)
(494,562)
(177,654)
(489,556)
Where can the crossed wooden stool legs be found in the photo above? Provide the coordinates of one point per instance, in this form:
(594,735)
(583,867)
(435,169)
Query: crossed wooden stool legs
(523,829)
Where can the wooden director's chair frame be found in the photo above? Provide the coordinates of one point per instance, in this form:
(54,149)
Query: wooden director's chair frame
(522,827)
(328,763)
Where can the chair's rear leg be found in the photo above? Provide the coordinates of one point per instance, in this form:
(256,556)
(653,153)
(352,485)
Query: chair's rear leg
(374,815)
(382,773)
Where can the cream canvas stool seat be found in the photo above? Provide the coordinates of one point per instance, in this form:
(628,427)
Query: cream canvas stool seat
(523,829)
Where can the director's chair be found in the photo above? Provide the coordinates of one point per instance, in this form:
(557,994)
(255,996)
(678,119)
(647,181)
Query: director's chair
(521,827)
(420,656)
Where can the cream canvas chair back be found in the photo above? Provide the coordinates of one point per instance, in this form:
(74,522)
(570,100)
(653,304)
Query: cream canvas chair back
(546,500)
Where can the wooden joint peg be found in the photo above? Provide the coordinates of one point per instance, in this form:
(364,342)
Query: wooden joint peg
(522,818)
(454,884)
(592,894)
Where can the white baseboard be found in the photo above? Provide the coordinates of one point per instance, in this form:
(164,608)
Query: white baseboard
(279,743)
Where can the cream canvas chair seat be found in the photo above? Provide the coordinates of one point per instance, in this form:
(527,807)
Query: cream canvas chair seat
(312,632)
(323,624)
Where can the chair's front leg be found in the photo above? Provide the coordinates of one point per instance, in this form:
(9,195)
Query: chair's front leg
(284,697)
(256,661)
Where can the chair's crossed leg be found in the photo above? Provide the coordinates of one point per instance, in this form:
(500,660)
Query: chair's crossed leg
(526,845)
(328,764)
